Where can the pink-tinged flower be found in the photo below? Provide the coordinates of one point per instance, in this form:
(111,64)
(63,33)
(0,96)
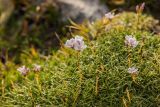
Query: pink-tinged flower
(109,15)
(23,70)
(131,41)
(36,67)
(140,8)
(76,43)
(133,70)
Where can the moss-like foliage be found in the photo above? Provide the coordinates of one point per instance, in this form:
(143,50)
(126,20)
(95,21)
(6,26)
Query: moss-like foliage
(98,76)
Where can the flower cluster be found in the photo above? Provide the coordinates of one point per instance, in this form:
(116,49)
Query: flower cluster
(131,41)
(25,70)
(140,8)
(76,43)
(109,15)
(36,67)
(132,70)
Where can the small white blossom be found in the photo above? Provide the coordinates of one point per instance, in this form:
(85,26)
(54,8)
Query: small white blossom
(109,15)
(133,70)
(36,67)
(131,41)
(23,70)
(76,43)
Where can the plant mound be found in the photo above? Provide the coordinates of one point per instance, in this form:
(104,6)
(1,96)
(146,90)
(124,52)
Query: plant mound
(97,76)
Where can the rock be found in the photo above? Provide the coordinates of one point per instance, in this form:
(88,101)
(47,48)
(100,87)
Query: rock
(78,10)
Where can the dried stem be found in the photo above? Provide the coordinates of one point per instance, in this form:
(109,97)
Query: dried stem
(124,102)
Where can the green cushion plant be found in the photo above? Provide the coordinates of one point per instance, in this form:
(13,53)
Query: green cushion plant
(98,75)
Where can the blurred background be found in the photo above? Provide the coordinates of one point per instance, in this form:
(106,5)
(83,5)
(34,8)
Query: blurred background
(29,25)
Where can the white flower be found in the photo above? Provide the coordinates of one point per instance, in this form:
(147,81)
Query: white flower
(70,43)
(131,41)
(133,70)
(23,70)
(109,15)
(36,67)
(76,43)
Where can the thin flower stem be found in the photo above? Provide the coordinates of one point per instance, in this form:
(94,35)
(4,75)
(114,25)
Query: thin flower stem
(30,93)
(64,98)
(97,75)
(77,90)
(80,81)
(12,84)
(97,85)
(140,52)
(134,78)
(26,79)
(37,81)
(128,95)
(129,57)
(78,54)
(138,19)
